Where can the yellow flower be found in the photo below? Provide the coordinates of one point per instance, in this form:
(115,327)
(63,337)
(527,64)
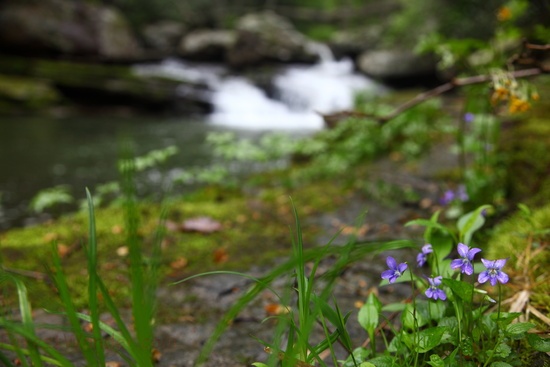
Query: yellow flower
(499,94)
(518,105)
(504,14)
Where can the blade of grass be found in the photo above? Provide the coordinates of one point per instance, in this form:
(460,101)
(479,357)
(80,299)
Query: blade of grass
(31,337)
(141,304)
(26,319)
(7,363)
(92,284)
(69,308)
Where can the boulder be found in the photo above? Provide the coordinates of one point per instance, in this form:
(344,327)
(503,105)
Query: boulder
(397,65)
(352,42)
(115,38)
(65,28)
(267,36)
(207,44)
(163,36)
(102,84)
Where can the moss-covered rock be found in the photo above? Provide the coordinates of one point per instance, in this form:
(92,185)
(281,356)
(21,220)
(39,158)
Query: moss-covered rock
(108,84)
(18,93)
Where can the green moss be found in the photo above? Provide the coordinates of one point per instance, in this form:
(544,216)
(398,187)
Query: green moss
(524,239)
(254,232)
(25,93)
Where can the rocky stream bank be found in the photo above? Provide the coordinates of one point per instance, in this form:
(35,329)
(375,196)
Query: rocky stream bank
(197,306)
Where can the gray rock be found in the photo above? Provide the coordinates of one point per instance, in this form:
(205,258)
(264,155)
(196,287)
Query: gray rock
(207,44)
(116,41)
(66,27)
(163,36)
(267,36)
(351,42)
(396,64)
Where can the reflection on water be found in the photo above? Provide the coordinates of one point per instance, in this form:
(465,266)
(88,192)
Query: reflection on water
(38,153)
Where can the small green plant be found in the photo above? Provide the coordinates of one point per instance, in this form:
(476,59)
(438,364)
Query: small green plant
(449,320)
(136,347)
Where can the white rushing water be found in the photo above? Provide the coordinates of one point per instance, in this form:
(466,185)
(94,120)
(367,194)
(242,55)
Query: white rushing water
(300,93)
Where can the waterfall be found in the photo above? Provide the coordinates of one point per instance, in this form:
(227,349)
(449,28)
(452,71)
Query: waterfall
(300,92)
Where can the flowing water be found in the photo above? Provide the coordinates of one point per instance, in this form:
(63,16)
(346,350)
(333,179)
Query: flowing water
(82,151)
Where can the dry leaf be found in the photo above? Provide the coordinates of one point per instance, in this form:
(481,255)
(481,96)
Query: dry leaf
(122,251)
(113,364)
(220,255)
(179,263)
(202,225)
(156,355)
(275,309)
(63,250)
(117,229)
(50,236)
(172,226)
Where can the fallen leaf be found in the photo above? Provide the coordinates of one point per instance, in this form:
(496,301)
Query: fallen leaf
(122,251)
(179,263)
(63,250)
(117,229)
(275,309)
(172,226)
(220,255)
(156,354)
(50,236)
(113,364)
(202,225)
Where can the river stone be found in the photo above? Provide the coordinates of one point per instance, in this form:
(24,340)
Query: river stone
(207,44)
(116,40)
(65,27)
(163,36)
(267,36)
(396,64)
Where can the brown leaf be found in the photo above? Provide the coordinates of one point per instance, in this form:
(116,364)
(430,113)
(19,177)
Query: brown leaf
(275,309)
(179,263)
(172,226)
(117,229)
(113,364)
(63,250)
(220,255)
(202,225)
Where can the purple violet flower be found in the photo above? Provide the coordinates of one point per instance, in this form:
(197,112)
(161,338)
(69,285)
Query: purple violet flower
(422,257)
(466,256)
(434,291)
(468,117)
(395,271)
(447,197)
(493,272)
(462,194)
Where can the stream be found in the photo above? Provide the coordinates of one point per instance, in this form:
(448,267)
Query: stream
(82,151)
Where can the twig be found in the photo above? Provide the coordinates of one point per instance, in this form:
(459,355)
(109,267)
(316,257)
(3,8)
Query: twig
(459,82)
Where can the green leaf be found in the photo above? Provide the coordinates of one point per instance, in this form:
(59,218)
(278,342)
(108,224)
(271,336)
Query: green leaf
(384,361)
(538,343)
(463,290)
(519,328)
(503,350)
(259,364)
(471,222)
(394,307)
(367,364)
(369,314)
(436,361)
(505,318)
(429,338)
(500,364)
